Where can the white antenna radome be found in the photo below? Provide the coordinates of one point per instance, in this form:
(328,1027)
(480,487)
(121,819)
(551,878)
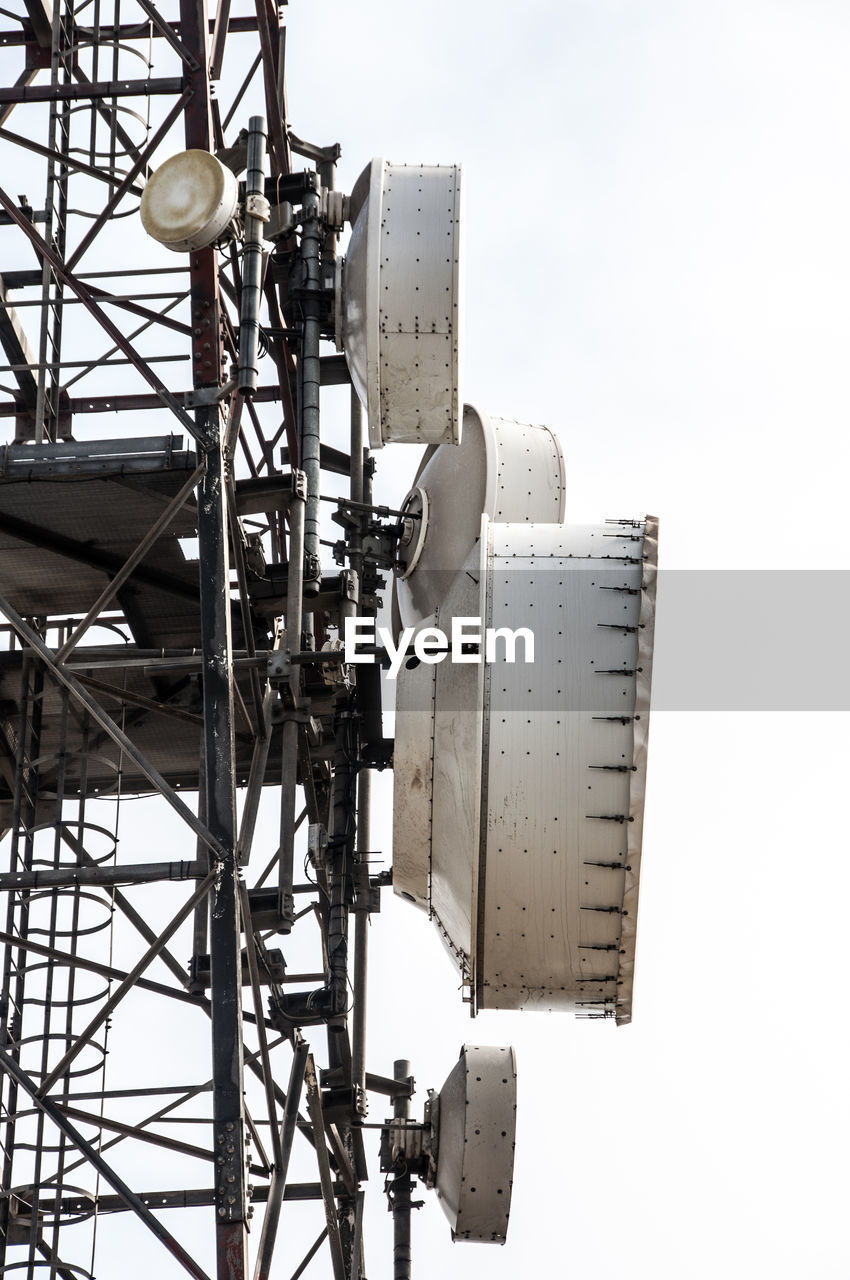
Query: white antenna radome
(190,201)
(519,786)
(399,309)
(503,469)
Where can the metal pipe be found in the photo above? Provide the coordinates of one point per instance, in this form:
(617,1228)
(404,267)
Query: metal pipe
(401,1188)
(305,1008)
(364,793)
(138,873)
(341,863)
(295,567)
(289,745)
(252,258)
(361,950)
(254,788)
(288,782)
(309,383)
(357,474)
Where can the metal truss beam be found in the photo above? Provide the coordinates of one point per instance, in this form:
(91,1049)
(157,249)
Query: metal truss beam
(86,86)
(90,90)
(190,1198)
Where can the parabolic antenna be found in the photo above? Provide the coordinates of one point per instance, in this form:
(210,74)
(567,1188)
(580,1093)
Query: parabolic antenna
(399,307)
(189,201)
(519,786)
(505,470)
(474,1118)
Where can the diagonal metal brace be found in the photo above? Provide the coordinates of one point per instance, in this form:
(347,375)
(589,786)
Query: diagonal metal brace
(44,250)
(106,1171)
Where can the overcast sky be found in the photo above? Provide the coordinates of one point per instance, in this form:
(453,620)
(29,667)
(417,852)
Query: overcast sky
(658,204)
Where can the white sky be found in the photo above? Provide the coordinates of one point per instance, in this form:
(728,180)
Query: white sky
(657,267)
(658,203)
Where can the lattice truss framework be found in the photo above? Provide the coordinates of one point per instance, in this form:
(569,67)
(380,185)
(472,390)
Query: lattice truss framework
(133,664)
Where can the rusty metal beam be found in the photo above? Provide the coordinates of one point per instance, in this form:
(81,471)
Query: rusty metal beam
(140,1133)
(269,37)
(62,157)
(334,373)
(92,966)
(123,33)
(91,89)
(165,29)
(15,343)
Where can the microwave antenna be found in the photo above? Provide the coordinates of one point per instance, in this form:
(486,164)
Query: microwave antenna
(186,758)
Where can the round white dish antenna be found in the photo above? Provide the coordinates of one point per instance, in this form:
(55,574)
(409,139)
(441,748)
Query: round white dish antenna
(399,303)
(519,785)
(190,201)
(502,469)
(474,1119)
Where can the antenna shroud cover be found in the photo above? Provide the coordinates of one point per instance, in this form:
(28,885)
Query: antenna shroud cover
(189,202)
(502,469)
(519,788)
(401,306)
(476,1127)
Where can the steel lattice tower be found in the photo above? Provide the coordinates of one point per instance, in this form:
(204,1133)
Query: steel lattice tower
(185,681)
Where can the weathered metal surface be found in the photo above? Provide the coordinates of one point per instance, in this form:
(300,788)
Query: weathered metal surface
(402,304)
(519,826)
(476,1126)
(502,469)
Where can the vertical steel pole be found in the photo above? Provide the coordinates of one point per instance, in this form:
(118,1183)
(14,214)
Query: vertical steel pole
(361,951)
(401,1189)
(231,1210)
(225,939)
(309,383)
(289,745)
(364,798)
(252,258)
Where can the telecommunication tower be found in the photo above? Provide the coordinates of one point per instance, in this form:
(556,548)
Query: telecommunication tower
(172,621)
